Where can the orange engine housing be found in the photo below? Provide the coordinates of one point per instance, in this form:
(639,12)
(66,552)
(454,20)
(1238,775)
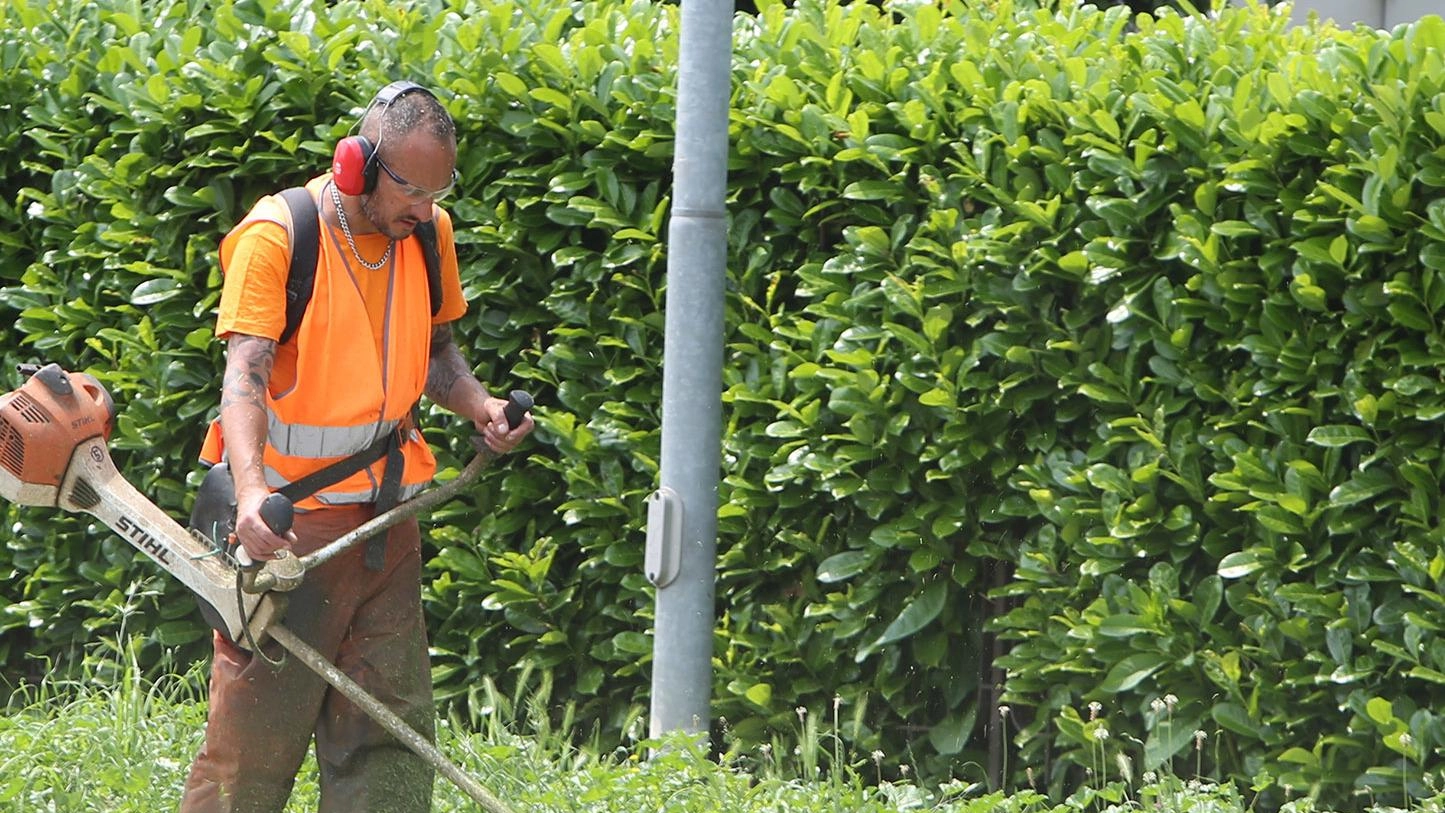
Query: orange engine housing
(43,421)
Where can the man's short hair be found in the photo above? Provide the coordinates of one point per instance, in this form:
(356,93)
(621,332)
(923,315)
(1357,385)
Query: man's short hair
(408,112)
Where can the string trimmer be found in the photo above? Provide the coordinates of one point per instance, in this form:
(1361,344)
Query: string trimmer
(53,453)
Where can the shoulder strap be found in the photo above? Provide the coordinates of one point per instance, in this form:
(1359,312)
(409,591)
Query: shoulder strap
(305,237)
(305,244)
(426,234)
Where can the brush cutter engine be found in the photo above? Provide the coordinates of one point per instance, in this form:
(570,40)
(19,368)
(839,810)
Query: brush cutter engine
(41,426)
(53,453)
(53,433)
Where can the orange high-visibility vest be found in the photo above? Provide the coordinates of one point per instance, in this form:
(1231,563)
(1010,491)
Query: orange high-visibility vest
(346,395)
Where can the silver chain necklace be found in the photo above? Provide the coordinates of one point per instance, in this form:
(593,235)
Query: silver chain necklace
(346,230)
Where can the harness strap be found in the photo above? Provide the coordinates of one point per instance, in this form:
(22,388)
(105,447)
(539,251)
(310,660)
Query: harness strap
(338,471)
(389,447)
(386,499)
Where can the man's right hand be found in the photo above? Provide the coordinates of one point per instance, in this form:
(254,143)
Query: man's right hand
(259,541)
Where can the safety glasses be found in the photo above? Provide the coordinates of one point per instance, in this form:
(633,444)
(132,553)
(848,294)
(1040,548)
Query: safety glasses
(415,192)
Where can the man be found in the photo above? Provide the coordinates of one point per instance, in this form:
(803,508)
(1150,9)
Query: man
(367,348)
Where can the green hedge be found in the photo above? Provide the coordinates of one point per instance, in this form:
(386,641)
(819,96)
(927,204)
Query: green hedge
(1127,323)
(1237,296)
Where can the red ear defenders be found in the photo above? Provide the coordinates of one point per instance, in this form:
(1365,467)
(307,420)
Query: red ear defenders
(353,164)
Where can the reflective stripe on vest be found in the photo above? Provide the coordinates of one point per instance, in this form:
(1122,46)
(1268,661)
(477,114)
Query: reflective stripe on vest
(302,440)
(344,498)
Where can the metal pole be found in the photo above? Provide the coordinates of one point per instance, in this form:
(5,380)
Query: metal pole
(682,529)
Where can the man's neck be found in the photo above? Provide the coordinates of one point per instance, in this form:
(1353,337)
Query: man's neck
(355,217)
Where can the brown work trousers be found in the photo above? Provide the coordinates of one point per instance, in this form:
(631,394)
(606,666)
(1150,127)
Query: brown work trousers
(262,717)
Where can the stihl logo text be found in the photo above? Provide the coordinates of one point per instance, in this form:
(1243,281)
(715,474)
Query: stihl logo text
(142,539)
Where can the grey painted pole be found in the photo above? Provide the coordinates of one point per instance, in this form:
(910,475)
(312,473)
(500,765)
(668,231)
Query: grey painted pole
(682,514)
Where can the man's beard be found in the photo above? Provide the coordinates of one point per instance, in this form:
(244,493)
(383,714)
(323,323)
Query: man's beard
(382,225)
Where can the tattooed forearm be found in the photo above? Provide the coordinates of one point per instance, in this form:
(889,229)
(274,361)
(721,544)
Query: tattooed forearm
(248,369)
(446,366)
(449,381)
(249,360)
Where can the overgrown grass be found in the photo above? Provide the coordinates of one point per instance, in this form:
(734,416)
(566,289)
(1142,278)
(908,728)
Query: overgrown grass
(120,744)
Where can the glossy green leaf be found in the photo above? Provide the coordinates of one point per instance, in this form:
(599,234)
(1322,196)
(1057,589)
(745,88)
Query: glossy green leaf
(843,566)
(1338,435)
(919,612)
(1131,671)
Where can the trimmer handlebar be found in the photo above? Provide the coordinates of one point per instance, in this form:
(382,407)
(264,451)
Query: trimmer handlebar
(518,402)
(278,513)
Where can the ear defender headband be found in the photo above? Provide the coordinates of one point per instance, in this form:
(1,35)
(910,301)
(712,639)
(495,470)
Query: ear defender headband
(353,164)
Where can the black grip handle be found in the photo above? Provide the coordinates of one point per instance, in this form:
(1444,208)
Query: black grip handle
(518,402)
(278,512)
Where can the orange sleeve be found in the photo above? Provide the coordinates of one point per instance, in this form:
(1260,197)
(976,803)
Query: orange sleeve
(255,257)
(454,303)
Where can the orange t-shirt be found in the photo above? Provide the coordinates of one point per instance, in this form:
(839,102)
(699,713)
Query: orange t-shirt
(256,259)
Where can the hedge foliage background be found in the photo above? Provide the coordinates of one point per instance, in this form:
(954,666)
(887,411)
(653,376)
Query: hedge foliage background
(1118,338)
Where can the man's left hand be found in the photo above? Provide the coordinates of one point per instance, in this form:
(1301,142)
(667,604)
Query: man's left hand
(500,437)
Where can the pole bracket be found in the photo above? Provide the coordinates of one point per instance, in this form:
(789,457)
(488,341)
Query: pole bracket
(664,536)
